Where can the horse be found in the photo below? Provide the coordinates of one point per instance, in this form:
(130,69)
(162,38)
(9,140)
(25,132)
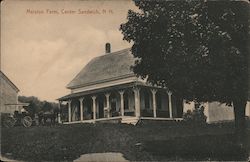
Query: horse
(44,116)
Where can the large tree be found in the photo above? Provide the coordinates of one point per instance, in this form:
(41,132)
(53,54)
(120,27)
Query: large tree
(197,49)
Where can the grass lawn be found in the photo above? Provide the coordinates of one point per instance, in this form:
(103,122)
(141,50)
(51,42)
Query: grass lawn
(144,142)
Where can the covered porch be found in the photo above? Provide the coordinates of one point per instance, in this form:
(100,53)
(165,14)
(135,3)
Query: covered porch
(125,103)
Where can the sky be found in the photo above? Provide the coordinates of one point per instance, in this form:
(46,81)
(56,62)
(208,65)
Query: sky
(44,44)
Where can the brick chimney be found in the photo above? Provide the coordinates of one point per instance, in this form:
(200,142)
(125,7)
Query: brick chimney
(107,48)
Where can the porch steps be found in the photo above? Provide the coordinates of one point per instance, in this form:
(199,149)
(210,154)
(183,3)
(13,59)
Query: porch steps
(129,120)
(109,120)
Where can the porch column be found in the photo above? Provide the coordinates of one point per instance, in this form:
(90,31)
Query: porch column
(69,109)
(59,114)
(108,105)
(170,104)
(137,102)
(94,107)
(81,108)
(154,101)
(122,102)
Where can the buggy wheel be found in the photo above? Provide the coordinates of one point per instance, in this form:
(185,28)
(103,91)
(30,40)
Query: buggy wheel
(27,121)
(9,122)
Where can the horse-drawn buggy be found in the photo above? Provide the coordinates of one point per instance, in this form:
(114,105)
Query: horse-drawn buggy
(11,120)
(26,119)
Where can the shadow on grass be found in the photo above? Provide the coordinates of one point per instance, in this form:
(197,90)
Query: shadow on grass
(144,142)
(205,147)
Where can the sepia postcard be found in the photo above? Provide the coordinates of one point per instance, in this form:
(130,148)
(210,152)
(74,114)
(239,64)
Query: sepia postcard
(125,80)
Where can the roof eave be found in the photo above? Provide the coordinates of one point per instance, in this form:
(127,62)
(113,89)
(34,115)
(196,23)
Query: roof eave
(11,83)
(100,81)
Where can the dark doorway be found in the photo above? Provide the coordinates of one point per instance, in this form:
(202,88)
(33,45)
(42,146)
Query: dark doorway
(101,107)
(126,104)
(87,110)
(146,98)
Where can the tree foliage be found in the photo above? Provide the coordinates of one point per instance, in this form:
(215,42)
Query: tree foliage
(197,49)
(36,106)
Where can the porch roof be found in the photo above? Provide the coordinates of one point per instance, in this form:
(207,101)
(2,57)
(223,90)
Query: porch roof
(101,90)
(108,89)
(17,104)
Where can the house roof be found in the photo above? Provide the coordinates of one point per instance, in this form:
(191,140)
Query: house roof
(2,75)
(104,68)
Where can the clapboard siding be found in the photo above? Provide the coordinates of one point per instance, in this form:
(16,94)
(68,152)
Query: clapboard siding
(8,94)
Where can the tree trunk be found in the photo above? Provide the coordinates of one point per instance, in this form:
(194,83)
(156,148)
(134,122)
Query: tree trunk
(240,123)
